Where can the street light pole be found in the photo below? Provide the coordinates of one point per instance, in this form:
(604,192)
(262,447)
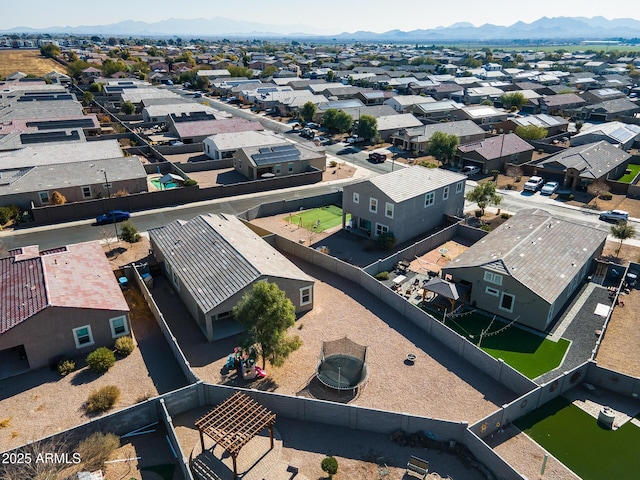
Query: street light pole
(113,215)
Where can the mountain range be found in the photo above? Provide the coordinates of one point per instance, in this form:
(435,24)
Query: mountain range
(545,28)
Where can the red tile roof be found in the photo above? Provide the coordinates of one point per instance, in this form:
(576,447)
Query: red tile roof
(76,276)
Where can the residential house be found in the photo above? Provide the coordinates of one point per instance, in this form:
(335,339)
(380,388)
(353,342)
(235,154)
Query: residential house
(389,125)
(194,130)
(436,111)
(556,104)
(417,139)
(213,260)
(609,110)
(400,103)
(553,125)
(616,133)
(407,202)
(278,160)
(76,181)
(480,114)
(62,302)
(602,95)
(528,268)
(158,113)
(577,167)
(494,153)
(225,145)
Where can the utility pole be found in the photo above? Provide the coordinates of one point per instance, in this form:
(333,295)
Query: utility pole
(113,215)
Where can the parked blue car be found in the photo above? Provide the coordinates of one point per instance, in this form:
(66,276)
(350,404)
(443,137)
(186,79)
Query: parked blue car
(113,216)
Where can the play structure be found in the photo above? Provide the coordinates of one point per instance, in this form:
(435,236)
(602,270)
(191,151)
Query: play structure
(342,365)
(244,361)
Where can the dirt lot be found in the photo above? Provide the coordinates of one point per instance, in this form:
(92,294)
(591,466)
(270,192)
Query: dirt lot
(27,61)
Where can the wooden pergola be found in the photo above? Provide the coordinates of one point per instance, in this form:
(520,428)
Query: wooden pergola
(234,422)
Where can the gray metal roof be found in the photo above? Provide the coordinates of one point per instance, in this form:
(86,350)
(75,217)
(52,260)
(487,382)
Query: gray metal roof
(539,251)
(216,256)
(407,183)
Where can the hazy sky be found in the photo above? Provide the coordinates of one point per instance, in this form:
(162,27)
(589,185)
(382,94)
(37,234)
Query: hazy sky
(327,16)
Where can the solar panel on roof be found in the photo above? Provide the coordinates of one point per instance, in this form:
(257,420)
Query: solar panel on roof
(58,124)
(264,150)
(283,148)
(44,137)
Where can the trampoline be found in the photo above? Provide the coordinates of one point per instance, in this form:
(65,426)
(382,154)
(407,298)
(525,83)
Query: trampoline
(342,365)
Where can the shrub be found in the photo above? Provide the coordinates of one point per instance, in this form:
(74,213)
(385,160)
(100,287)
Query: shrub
(97,449)
(103,399)
(330,466)
(101,359)
(606,196)
(510,186)
(190,182)
(517,179)
(4,423)
(129,232)
(506,216)
(333,163)
(5,215)
(495,174)
(382,276)
(386,241)
(57,198)
(478,213)
(125,345)
(486,228)
(65,367)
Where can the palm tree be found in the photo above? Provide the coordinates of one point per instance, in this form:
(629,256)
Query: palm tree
(622,231)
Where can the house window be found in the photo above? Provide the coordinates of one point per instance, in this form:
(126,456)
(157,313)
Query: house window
(44,198)
(119,326)
(305,296)
(380,229)
(388,210)
(290,167)
(373,205)
(277,169)
(493,278)
(429,199)
(83,336)
(356,197)
(507,302)
(86,192)
(176,280)
(492,291)
(445,193)
(459,187)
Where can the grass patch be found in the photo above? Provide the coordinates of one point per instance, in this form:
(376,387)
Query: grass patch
(318,219)
(628,177)
(575,438)
(529,353)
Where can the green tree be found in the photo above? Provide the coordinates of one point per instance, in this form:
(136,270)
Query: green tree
(329,465)
(531,132)
(267,313)
(484,194)
(443,146)
(128,108)
(308,110)
(343,122)
(513,99)
(329,118)
(622,231)
(331,75)
(269,71)
(238,71)
(87,98)
(129,232)
(487,101)
(74,69)
(367,127)
(49,50)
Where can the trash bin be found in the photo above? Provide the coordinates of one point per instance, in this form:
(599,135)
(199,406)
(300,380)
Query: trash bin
(147,279)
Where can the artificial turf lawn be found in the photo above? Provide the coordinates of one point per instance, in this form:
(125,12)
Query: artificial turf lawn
(530,354)
(628,178)
(318,219)
(575,438)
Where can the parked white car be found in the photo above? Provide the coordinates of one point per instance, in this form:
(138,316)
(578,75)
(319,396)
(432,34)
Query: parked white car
(549,188)
(533,184)
(470,170)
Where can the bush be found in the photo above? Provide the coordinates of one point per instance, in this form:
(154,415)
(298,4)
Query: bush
(605,196)
(103,399)
(65,367)
(5,215)
(129,232)
(125,345)
(190,182)
(382,276)
(101,359)
(495,174)
(97,449)
(517,179)
(478,213)
(486,228)
(333,163)
(386,241)
(330,466)
(506,216)
(510,186)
